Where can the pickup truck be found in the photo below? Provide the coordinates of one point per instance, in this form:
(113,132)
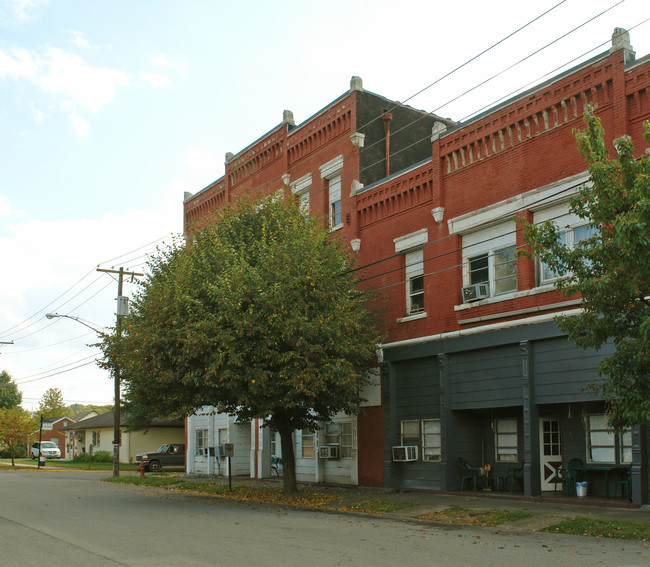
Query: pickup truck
(169,455)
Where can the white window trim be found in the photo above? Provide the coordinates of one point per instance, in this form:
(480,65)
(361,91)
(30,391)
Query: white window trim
(608,432)
(328,171)
(300,188)
(332,167)
(437,458)
(406,244)
(412,240)
(498,446)
(488,240)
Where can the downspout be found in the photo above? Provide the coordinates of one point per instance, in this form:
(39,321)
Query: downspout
(387,117)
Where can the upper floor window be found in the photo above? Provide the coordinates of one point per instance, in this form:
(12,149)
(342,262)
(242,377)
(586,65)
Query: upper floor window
(411,246)
(414,282)
(331,173)
(489,262)
(334,195)
(300,189)
(573,231)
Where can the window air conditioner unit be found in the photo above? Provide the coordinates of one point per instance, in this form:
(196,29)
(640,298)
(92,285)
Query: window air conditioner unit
(405,453)
(201,451)
(220,451)
(328,452)
(475,292)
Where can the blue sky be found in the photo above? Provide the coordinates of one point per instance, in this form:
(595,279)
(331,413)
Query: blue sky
(111,110)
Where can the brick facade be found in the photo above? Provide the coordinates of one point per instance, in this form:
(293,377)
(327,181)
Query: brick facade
(450,184)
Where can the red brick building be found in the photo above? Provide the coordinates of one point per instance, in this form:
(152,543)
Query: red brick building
(474,366)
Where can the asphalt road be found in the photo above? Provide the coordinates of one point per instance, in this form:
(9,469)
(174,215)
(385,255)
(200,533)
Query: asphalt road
(72,519)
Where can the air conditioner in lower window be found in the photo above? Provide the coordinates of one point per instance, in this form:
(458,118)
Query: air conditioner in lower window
(475,292)
(328,452)
(201,451)
(403,453)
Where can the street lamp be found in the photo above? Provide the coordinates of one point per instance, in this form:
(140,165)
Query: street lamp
(54,315)
(116,410)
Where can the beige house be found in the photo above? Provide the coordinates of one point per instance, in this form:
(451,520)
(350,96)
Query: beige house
(96,434)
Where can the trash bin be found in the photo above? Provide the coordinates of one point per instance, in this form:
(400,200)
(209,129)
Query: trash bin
(581,488)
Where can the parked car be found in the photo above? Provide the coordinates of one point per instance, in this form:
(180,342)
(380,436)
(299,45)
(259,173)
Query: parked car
(169,455)
(50,450)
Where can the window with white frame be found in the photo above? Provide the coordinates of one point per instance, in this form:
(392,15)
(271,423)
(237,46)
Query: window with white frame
(489,258)
(96,438)
(414,282)
(573,231)
(222,436)
(331,173)
(410,432)
(601,440)
(341,435)
(201,438)
(411,247)
(604,444)
(431,440)
(334,194)
(307,443)
(505,439)
(300,189)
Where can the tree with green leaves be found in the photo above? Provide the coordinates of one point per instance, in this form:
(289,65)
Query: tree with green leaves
(259,315)
(10,397)
(16,425)
(610,269)
(52,404)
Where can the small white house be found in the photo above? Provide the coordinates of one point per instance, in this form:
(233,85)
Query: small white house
(328,455)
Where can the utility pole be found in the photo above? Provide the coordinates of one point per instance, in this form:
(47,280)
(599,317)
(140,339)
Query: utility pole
(122,309)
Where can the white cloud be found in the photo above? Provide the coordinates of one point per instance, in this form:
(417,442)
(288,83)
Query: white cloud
(36,113)
(79,39)
(7,211)
(18,64)
(155,79)
(160,60)
(68,74)
(64,74)
(80,125)
(19,10)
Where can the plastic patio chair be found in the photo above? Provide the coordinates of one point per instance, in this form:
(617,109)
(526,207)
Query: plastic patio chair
(468,472)
(516,474)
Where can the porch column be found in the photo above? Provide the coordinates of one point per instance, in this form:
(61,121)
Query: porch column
(531,423)
(393,423)
(444,418)
(639,471)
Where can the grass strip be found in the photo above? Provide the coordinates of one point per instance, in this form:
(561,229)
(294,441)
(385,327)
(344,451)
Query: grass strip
(463,516)
(594,527)
(376,506)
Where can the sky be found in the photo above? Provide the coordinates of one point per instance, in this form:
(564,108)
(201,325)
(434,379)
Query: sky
(111,110)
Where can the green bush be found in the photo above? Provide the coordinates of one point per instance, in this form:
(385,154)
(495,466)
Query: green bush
(103,457)
(21,452)
(98,457)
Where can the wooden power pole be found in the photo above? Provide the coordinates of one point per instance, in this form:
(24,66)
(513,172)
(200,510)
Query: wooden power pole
(122,309)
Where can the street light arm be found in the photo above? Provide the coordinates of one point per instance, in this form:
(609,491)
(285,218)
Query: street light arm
(55,315)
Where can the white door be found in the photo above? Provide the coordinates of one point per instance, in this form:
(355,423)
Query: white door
(550,451)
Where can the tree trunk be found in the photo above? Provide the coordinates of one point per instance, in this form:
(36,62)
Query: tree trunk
(288,460)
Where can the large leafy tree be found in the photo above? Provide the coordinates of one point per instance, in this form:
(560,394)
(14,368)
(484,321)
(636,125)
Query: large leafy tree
(610,270)
(10,397)
(15,426)
(52,404)
(259,315)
